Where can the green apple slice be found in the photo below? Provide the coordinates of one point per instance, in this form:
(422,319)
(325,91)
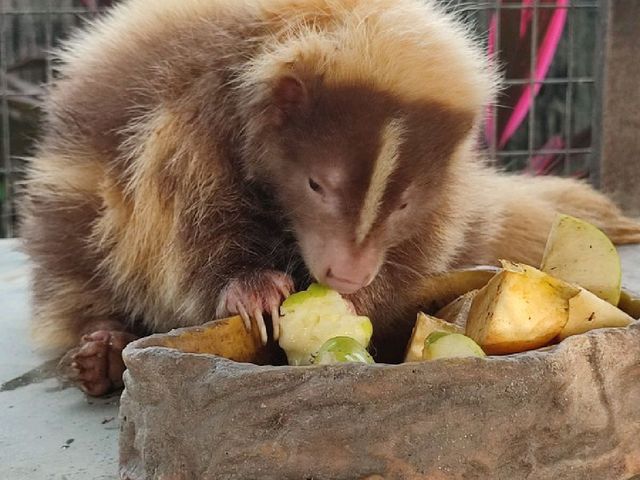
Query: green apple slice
(316,297)
(450,345)
(341,350)
(580,253)
(424,326)
(312,317)
(588,312)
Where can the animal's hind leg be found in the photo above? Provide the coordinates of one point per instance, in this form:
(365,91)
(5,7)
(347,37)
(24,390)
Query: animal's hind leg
(96,364)
(79,325)
(74,310)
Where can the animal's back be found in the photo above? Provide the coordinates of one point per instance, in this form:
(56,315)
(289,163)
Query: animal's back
(101,217)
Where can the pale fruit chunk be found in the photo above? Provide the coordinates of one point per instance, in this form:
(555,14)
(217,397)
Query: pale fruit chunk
(630,303)
(520,309)
(226,337)
(441,290)
(341,350)
(316,297)
(312,317)
(580,253)
(450,345)
(457,311)
(588,312)
(424,326)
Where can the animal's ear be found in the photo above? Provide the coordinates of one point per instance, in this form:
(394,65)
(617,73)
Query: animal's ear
(290,95)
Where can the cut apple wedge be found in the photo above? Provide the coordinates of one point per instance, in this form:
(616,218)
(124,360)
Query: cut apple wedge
(580,253)
(588,312)
(630,303)
(341,350)
(457,311)
(439,345)
(520,309)
(441,290)
(424,326)
(311,317)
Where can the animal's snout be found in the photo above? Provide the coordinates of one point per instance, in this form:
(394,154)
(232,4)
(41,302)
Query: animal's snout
(346,283)
(347,271)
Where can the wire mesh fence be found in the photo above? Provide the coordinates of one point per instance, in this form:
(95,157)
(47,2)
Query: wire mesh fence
(543,122)
(29,31)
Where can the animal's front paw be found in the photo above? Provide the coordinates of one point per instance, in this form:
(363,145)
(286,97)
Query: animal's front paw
(256,293)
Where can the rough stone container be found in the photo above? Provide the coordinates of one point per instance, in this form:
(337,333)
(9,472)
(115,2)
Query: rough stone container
(571,411)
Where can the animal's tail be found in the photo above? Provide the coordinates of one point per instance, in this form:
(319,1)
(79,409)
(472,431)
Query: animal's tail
(530,204)
(581,200)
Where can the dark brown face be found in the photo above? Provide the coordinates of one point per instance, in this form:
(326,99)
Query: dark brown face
(360,171)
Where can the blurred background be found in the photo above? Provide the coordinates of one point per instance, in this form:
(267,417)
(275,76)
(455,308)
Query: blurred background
(547,121)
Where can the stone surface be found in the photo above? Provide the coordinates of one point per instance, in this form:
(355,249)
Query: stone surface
(48,431)
(630,256)
(566,412)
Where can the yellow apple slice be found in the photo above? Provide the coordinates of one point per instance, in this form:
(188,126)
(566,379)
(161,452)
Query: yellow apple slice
(457,311)
(588,312)
(580,253)
(630,303)
(520,309)
(441,290)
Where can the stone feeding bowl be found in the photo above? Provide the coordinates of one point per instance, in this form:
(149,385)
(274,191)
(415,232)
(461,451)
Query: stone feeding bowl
(207,403)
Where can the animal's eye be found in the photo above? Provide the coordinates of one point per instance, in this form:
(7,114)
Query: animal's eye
(403,206)
(315,186)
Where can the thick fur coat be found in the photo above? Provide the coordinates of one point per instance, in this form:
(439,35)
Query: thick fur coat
(153,185)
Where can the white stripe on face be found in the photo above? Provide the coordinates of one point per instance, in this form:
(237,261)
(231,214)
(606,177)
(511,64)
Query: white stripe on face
(384,166)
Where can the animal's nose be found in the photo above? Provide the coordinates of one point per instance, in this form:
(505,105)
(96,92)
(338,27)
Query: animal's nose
(347,279)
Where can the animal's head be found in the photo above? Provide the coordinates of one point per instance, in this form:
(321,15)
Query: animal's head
(358,129)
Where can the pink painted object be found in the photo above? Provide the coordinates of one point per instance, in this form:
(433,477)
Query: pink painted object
(546,53)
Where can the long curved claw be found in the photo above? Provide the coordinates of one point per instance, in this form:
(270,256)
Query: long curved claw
(245,316)
(275,321)
(285,287)
(261,325)
(254,295)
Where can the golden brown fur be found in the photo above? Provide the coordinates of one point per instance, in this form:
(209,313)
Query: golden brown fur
(150,189)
